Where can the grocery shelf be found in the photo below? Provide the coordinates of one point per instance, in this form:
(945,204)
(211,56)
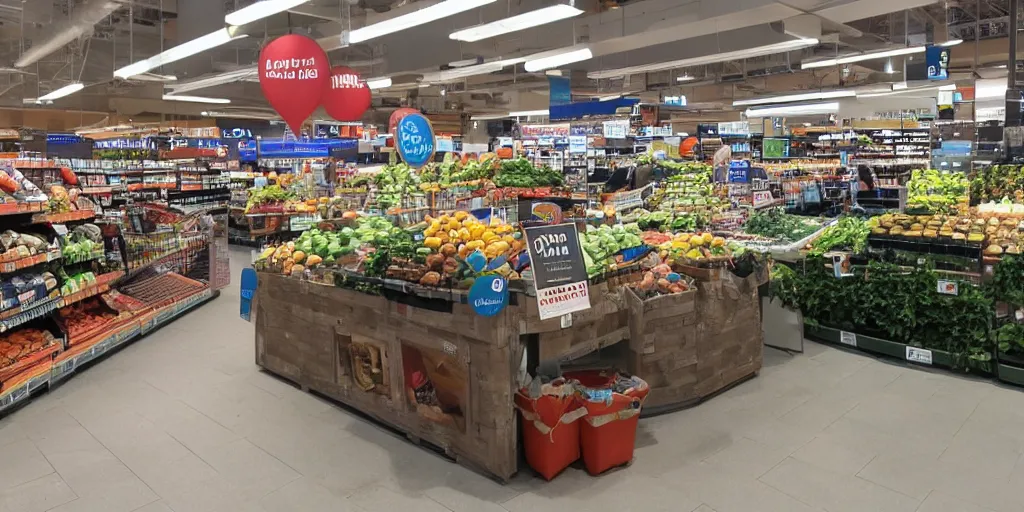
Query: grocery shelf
(21,207)
(61,218)
(31,261)
(102,284)
(37,379)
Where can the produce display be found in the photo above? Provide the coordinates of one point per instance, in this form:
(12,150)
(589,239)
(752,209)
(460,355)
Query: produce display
(998,182)
(520,173)
(602,245)
(21,344)
(997,233)
(660,280)
(453,171)
(776,224)
(270,195)
(850,233)
(21,245)
(395,182)
(83,243)
(936,191)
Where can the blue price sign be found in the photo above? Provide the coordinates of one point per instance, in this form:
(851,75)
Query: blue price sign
(414,139)
(489,295)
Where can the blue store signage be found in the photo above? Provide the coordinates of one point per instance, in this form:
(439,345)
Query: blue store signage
(936,58)
(488,295)
(414,139)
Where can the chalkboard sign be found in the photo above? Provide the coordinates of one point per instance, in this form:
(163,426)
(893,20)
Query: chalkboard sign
(559,272)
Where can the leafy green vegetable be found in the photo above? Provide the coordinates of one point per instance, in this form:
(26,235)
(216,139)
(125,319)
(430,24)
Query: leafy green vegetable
(267,194)
(849,233)
(935,191)
(776,223)
(521,173)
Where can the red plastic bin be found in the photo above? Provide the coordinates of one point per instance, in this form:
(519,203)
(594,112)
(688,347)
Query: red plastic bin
(551,431)
(608,431)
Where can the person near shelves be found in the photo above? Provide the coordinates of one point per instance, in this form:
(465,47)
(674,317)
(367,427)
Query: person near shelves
(865,178)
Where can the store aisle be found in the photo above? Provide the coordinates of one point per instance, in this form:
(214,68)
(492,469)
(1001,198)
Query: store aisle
(183,421)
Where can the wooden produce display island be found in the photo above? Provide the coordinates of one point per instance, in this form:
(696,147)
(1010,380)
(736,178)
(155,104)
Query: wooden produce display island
(441,374)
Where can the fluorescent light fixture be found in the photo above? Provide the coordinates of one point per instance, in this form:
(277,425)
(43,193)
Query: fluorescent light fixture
(862,57)
(899,86)
(794,110)
(378,83)
(451,75)
(465,62)
(528,113)
(609,98)
(952,42)
(685,78)
(187,49)
(555,58)
(424,86)
(260,10)
(757,51)
(63,91)
(516,23)
(823,95)
(488,117)
(807,124)
(558,72)
(195,99)
(409,20)
(249,74)
(907,90)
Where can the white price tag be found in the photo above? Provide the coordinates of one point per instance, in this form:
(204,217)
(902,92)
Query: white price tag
(919,355)
(949,287)
(848,338)
(61,229)
(1019,314)
(566,320)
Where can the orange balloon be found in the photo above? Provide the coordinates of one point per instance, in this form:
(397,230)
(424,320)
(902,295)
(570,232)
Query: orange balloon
(687,145)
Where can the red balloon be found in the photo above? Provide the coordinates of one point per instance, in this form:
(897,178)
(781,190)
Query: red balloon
(294,75)
(348,97)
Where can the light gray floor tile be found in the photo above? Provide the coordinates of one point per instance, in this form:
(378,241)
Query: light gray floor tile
(21,463)
(253,471)
(38,495)
(379,499)
(938,501)
(838,458)
(305,495)
(835,492)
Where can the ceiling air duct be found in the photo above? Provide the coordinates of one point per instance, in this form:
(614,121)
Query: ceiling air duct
(80,23)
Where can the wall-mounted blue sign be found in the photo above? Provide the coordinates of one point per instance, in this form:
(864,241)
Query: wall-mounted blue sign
(277,148)
(194,142)
(63,138)
(414,139)
(488,295)
(124,144)
(560,93)
(936,58)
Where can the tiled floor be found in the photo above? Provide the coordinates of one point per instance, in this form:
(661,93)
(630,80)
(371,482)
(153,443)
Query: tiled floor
(182,421)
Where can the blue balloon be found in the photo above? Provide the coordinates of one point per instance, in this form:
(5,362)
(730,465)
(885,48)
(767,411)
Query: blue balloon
(414,139)
(476,261)
(489,295)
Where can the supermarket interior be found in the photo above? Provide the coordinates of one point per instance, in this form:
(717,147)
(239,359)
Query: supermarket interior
(279,256)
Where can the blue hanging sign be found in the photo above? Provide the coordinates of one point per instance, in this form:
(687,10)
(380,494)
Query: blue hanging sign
(414,138)
(560,92)
(488,295)
(936,58)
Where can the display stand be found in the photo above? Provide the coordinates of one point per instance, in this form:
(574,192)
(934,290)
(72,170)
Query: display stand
(445,376)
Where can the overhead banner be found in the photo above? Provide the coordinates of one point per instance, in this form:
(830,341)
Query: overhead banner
(560,91)
(936,58)
(559,271)
(294,75)
(414,138)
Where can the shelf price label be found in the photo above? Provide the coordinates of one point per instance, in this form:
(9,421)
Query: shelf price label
(948,287)
(919,355)
(848,338)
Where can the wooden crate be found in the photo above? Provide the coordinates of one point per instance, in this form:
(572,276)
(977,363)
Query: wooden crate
(604,324)
(444,376)
(692,345)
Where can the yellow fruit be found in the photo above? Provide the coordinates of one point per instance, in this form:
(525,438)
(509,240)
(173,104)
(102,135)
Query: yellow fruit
(475,244)
(298,256)
(444,219)
(477,231)
(509,239)
(432,242)
(428,218)
(267,253)
(430,231)
(436,224)
(708,237)
(464,233)
(697,241)
(503,229)
(718,242)
(500,246)
(683,237)
(313,260)
(463,251)
(679,244)
(461,215)
(488,235)
(453,234)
